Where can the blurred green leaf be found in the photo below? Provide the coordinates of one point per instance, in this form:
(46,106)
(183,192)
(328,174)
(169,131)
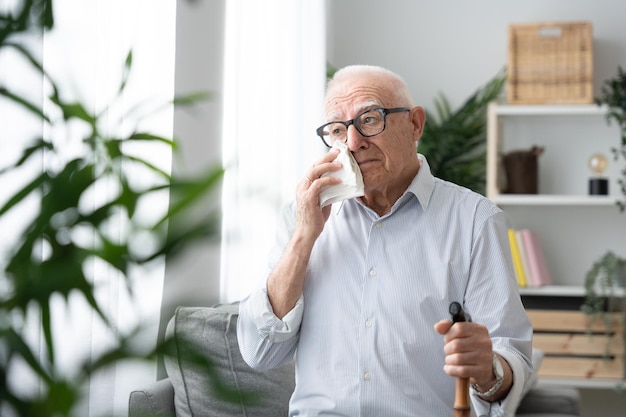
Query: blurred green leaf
(149,165)
(76,111)
(17,346)
(192,98)
(21,194)
(151,137)
(39,145)
(185,193)
(30,13)
(32,108)
(28,55)
(128,63)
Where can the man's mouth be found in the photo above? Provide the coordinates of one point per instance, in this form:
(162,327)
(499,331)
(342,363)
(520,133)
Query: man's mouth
(365,162)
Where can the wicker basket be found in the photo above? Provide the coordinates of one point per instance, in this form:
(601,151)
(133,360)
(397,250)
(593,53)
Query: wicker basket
(550,63)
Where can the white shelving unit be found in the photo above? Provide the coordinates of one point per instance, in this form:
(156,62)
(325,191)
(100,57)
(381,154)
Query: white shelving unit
(561,291)
(499,113)
(553,200)
(574,228)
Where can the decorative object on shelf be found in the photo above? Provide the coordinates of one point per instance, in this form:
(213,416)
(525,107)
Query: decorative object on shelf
(521,169)
(598,185)
(455,141)
(550,63)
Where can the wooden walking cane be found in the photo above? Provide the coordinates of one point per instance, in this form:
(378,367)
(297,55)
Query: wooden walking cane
(461,394)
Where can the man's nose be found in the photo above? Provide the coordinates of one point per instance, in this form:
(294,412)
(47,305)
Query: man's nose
(354,139)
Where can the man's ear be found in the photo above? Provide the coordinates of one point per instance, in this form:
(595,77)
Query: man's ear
(418,117)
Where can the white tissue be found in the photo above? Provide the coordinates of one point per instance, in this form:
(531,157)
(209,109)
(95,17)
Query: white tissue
(351,179)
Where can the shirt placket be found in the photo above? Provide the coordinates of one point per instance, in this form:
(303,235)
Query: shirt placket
(368,368)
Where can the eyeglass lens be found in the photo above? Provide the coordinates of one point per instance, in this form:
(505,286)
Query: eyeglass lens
(370,123)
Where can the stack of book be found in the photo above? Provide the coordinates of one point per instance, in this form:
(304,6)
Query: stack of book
(531,269)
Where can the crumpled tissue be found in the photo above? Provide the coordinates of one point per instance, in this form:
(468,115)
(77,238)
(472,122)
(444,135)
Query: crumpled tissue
(351,179)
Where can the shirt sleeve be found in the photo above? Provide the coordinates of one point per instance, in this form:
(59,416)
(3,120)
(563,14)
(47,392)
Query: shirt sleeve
(494,301)
(265,341)
(507,406)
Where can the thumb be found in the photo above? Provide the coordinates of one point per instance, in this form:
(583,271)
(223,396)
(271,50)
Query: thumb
(443,326)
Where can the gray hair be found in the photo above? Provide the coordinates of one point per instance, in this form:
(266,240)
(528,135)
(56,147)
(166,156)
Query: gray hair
(399,88)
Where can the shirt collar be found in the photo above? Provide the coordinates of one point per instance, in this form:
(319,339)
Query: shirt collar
(423,184)
(422,187)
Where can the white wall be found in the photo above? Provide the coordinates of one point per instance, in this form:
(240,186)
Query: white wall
(454,46)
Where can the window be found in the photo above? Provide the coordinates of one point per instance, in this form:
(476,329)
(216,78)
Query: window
(275,69)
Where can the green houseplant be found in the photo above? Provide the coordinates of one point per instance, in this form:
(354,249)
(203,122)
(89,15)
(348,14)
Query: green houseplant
(605,282)
(613,95)
(49,260)
(455,141)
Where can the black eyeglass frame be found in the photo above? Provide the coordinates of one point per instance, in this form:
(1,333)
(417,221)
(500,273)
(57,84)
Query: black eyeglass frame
(383,111)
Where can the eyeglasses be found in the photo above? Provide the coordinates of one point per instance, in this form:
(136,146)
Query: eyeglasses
(369,123)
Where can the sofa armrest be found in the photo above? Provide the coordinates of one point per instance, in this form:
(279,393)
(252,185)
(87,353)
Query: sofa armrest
(154,400)
(550,400)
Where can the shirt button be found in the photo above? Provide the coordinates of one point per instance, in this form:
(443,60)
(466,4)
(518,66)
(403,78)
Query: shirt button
(367,376)
(379,225)
(368,323)
(372,272)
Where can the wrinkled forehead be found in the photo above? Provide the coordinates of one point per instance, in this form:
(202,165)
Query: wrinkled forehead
(350,96)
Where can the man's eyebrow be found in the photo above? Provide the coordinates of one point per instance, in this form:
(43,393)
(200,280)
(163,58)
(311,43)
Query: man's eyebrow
(361,107)
(368,105)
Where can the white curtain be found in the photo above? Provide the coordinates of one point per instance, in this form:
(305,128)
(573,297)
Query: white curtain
(85,54)
(275,75)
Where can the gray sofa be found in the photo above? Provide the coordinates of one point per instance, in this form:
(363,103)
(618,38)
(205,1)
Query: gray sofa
(189,390)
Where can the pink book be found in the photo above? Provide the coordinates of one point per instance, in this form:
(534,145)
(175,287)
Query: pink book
(536,259)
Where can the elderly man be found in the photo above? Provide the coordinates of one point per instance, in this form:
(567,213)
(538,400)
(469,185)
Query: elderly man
(356,287)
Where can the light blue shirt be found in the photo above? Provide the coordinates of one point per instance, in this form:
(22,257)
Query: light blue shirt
(362,332)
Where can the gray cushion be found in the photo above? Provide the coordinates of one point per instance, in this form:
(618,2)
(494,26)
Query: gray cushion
(212,332)
(155,400)
(547,415)
(545,400)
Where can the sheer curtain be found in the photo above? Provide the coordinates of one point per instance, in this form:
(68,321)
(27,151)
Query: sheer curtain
(275,74)
(85,54)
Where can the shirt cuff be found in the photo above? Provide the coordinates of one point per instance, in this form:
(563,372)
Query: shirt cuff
(509,404)
(270,326)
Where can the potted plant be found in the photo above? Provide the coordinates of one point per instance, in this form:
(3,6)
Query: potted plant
(454,142)
(604,286)
(613,95)
(605,282)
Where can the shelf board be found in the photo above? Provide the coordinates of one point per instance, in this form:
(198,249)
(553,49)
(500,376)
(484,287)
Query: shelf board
(555,291)
(581,383)
(554,200)
(563,291)
(550,110)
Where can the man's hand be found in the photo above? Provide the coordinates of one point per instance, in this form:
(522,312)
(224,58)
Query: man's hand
(469,354)
(311,218)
